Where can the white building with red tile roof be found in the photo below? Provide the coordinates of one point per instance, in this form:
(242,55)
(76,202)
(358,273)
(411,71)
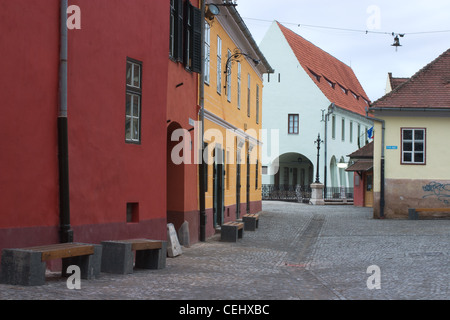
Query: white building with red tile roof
(309,85)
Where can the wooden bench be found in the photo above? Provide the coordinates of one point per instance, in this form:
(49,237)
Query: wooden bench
(413,213)
(232,231)
(118,256)
(251,221)
(27,266)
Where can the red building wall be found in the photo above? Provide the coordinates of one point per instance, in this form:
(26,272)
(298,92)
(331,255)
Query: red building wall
(29,51)
(182,180)
(105,172)
(358,190)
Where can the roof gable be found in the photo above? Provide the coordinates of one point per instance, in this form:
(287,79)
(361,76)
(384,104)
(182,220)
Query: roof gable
(395,82)
(428,88)
(335,79)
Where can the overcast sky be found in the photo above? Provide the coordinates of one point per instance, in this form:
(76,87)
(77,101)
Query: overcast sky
(370,55)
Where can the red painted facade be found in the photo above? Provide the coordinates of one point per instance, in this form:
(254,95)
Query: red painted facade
(105,171)
(358,190)
(182,179)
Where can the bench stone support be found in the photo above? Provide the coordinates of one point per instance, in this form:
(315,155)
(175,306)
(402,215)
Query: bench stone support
(231,233)
(250,223)
(413,214)
(118,257)
(152,259)
(89,264)
(22,267)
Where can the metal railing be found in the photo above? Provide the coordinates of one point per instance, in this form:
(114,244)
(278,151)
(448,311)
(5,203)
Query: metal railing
(338,193)
(300,193)
(295,193)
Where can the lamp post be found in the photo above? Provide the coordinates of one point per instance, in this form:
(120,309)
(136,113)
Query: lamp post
(318,142)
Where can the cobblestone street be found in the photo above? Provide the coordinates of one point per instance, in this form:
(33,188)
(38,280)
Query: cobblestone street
(299,252)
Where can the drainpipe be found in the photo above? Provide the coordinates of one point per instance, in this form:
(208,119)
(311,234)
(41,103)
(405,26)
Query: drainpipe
(65,232)
(382,165)
(202,168)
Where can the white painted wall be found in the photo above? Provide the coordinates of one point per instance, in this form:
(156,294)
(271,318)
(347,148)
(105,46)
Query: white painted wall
(291,90)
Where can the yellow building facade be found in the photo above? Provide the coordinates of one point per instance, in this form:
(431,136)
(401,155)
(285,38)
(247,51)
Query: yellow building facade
(412,185)
(233,88)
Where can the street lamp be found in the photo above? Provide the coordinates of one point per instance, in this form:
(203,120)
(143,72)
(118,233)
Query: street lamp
(237,54)
(318,142)
(342,164)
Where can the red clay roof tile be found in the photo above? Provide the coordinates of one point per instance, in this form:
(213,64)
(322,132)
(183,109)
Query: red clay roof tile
(428,88)
(335,79)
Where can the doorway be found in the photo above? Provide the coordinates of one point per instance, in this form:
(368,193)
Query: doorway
(238,184)
(218,186)
(368,190)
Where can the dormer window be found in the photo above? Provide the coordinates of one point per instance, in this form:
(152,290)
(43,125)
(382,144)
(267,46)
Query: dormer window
(315,75)
(331,83)
(343,89)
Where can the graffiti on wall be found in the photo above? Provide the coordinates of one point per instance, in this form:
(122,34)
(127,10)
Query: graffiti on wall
(438,190)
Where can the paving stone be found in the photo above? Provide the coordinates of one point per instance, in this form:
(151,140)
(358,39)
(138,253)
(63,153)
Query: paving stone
(299,252)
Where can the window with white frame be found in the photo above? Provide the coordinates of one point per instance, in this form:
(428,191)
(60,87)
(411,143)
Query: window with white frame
(293,120)
(239,86)
(359,135)
(133,101)
(229,77)
(207,52)
(219,65)
(413,145)
(248,95)
(333,126)
(257,104)
(351,132)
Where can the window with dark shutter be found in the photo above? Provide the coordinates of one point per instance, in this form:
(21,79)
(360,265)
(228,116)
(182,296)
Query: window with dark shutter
(179,31)
(176,30)
(197,40)
(172,29)
(188,30)
(185,34)
(192,38)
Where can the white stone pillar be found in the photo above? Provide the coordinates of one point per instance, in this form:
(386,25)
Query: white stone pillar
(317,194)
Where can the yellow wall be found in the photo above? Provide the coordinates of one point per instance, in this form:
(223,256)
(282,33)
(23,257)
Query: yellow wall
(437,150)
(219,105)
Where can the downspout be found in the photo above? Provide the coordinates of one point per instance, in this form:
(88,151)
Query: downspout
(382,164)
(65,232)
(202,168)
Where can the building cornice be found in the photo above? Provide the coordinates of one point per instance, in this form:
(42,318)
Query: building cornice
(228,126)
(235,27)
